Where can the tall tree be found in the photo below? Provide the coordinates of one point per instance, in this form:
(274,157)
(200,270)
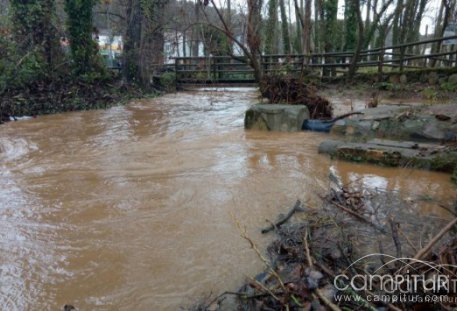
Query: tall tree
(253,35)
(131,53)
(350,26)
(307,28)
(144,39)
(330,11)
(365,35)
(80,29)
(284,27)
(397,21)
(252,48)
(270,29)
(305,22)
(33,28)
(360,38)
(447,8)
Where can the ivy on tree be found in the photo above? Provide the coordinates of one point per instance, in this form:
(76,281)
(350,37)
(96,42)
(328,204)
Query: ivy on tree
(84,50)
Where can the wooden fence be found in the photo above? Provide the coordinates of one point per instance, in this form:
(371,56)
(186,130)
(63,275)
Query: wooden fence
(229,70)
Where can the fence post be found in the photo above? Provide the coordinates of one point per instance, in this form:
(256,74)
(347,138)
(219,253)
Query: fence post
(176,71)
(402,56)
(380,65)
(212,62)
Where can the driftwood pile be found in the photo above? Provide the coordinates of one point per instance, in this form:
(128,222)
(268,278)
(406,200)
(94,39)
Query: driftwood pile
(295,91)
(311,252)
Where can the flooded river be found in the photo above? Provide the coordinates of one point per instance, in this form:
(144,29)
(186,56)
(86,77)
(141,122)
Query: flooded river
(133,208)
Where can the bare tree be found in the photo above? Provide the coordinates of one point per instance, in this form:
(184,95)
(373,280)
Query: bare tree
(252,50)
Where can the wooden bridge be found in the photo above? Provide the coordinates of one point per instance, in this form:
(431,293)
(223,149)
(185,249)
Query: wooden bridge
(216,70)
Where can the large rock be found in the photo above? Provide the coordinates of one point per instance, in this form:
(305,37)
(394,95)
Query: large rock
(284,118)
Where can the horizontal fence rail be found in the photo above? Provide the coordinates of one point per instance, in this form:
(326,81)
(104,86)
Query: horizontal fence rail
(237,70)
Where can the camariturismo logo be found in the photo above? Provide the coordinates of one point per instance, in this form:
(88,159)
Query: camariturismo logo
(397,280)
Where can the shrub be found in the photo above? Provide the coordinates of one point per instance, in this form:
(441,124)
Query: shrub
(430,93)
(168,81)
(449,86)
(16,69)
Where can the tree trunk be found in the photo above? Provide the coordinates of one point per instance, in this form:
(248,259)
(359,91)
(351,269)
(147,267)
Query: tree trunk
(355,58)
(144,40)
(284,27)
(396,25)
(350,18)
(229,24)
(270,29)
(298,42)
(307,28)
(195,34)
(367,18)
(317,25)
(253,36)
(446,9)
(131,53)
(329,17)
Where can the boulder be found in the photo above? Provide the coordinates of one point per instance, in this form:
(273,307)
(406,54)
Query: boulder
(275,117)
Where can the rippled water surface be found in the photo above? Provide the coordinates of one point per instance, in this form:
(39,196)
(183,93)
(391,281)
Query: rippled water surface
(133,208)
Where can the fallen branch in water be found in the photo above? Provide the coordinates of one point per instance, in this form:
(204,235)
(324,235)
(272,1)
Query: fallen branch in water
(245,236)
(342,117)
(394,226)
(426,250)
(360,217)
(297,208)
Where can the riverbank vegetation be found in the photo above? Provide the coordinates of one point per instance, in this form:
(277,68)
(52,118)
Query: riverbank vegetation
(37,75)
(48,67)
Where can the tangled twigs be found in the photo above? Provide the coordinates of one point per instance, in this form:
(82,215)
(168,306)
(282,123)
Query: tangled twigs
(309,260)
(295,91)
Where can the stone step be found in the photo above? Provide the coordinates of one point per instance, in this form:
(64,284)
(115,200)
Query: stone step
(393,153)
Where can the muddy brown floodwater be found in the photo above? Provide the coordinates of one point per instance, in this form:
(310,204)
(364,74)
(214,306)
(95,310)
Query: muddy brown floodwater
(133,208)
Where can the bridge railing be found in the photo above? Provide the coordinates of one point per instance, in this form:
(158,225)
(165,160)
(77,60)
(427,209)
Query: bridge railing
(227,69)
(221,69)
